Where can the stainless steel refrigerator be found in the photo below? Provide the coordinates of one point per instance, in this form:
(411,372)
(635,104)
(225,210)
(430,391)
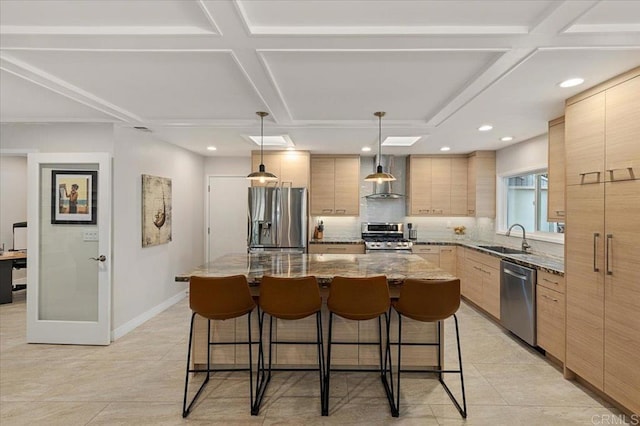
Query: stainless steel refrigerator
(277,219)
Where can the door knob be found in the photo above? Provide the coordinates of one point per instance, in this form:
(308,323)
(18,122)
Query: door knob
(100,258)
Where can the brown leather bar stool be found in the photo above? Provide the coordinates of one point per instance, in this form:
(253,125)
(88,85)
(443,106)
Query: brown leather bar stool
(218,298)
(289,299)
(430,301)
(360,299)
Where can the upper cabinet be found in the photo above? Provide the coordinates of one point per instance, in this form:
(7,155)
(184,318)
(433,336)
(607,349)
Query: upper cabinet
(596,157)
(436,186)
(291,167)
(335,185)
(555,161)
(481,184)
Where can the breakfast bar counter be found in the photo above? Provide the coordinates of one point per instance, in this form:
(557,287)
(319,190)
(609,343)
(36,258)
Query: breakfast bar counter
(396,267)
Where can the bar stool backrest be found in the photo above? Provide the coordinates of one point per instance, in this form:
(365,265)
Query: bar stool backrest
(220,298)
(290,298)
(429,300)
(359,298)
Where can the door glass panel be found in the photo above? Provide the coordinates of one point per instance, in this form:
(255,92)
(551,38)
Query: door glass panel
(68,281)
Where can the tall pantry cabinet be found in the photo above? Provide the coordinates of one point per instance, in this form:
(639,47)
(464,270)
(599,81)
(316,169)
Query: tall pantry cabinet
(602,241)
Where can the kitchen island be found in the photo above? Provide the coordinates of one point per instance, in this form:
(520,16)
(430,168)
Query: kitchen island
(396,267)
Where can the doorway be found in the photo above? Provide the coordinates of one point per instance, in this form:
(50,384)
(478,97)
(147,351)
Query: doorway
(227,215)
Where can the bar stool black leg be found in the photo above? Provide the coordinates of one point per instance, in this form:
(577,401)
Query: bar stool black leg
(325,408)
(321,366)
(462,410)
(187,409)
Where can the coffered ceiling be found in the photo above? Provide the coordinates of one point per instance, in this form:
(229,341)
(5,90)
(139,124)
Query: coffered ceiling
(196,71)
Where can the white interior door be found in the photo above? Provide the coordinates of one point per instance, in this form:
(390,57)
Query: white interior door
(69,217)
(227,215)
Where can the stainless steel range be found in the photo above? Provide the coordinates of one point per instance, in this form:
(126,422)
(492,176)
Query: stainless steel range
(385,237)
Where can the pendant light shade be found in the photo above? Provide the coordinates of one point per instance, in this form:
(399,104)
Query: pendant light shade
(262,174)
(379,176)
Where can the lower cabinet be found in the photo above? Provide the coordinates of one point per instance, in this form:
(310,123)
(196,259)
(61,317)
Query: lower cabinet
(550,313)
(482,281)
(336,249)
(442,256)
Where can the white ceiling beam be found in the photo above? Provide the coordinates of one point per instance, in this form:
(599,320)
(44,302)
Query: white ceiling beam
(50,82)
(552,22)
(207,13)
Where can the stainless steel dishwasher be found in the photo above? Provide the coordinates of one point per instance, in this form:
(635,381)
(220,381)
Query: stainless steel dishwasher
(518,300)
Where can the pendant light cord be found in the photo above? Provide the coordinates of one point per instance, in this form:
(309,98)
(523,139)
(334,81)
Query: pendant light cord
(261,137)
(379,137)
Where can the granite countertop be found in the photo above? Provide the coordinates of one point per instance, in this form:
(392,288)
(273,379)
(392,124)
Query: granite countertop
(337,241)
(554,265)
(396,267)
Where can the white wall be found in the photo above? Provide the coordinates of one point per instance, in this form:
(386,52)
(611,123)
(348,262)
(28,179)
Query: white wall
(143,278)
(524,156)
(227,166)
(13,196)
(58,137)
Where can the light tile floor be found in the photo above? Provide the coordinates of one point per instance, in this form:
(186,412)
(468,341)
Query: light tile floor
(138,380)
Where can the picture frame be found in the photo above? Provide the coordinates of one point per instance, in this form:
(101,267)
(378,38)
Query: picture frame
(156,210)
(74,197)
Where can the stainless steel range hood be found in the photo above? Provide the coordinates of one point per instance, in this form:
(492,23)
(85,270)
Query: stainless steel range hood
(385,190)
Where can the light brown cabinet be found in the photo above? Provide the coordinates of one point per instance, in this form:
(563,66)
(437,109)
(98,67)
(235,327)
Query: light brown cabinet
(550,317)
(291,167)
(336,249)
(481,184)
(601,241)
(442,256)
(335,186)
(436,185)
(555,171)
(482,281)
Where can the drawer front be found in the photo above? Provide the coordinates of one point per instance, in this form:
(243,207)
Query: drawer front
(485,259)
(491,291)
(550,321)
(336,248)
(551,281)
(425,249)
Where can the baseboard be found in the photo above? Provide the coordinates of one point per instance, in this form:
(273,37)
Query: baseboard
(146,316)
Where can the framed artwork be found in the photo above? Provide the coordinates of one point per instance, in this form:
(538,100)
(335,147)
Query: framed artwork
(74,195)
(156,210)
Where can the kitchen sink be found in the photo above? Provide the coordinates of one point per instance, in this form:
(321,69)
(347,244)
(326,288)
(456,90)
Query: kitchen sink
(504,250)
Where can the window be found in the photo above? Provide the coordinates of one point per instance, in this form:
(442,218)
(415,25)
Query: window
(526,203)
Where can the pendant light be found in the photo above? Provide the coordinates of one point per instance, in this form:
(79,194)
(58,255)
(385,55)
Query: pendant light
(379,176)
(262,175)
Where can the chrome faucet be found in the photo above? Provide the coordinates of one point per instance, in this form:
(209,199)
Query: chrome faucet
(525,244)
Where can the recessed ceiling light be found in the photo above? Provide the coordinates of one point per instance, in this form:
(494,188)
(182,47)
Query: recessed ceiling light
(211,148)
(366,148)
(291,148)
(277,140)
(506,138)
(445,148)
(400,140)
(485,127)
(572,82)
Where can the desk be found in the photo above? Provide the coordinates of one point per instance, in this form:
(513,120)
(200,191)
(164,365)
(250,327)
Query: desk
(6,274)
(396,267)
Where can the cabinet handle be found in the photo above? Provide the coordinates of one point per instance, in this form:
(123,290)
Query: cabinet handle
(341,210)
(583,175)
(471,211)
(629,169)
(608,253)
(327,210)
(549,281)
(424,211)
(550,298)
(479,269)
(596,235)
(560,212)
(445,249)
